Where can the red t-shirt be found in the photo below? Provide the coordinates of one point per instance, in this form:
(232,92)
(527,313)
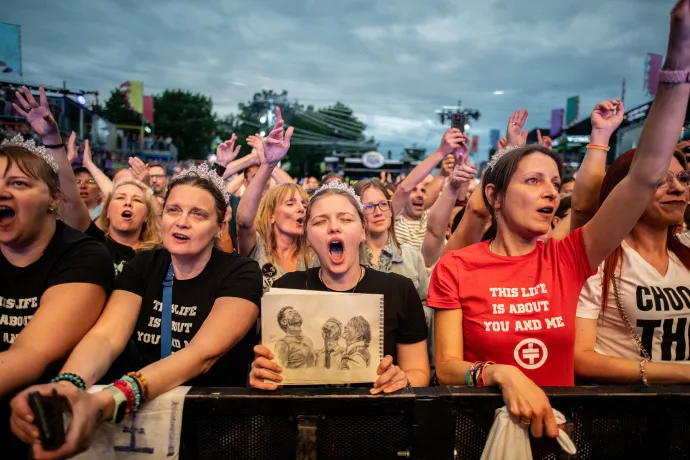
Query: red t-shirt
(517,310)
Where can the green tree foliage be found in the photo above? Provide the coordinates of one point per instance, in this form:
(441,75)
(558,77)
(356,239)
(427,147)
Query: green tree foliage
(188,119)
(117,111)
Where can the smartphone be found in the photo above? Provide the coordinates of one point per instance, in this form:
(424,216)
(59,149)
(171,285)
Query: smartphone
(458,121)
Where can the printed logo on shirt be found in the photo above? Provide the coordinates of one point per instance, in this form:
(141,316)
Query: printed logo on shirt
(18,313)
(672,331)
(531,353)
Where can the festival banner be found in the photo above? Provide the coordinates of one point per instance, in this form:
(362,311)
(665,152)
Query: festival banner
(495,136)
(557,116)
(133,92)
(475,144)
(651,77)
(148,108)
(572,110)
(10,49)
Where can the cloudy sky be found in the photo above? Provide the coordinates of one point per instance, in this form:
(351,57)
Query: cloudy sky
(394,63)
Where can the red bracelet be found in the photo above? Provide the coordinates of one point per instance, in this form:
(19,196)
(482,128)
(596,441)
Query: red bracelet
(129,393)
(481,375)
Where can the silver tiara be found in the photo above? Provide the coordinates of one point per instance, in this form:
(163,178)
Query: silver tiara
(210,175)
(500,154)
(335,185)
(38,150)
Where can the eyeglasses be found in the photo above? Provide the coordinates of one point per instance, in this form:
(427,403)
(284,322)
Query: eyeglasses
(683,177)
(370,207)
(157,176)
(86,182)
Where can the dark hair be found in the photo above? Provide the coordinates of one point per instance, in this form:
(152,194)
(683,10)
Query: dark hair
(81,170)
(155,164)
(616,172)
(281,317)
(456,220)
(363,185)
(567,179)
(205,184)
(246,171)
(33,166)
(564,206)
(499,176)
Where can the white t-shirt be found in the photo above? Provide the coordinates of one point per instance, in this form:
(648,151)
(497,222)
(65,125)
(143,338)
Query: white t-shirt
(658,308)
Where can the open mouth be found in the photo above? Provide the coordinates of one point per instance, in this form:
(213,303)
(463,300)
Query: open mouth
(180,237)
(126,214)
(336,251)
(300,220)
(547,210)
(418,203)
(6,215)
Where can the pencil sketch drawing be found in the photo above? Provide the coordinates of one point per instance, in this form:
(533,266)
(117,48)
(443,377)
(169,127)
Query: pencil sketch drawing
(358,337)
(331,354)
(294,350)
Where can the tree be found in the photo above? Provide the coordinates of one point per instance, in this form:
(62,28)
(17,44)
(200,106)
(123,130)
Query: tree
(188,119)
(117,110)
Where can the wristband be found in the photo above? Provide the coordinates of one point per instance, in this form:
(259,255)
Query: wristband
(674,76)
(54,146)
(605,148)
(220,170)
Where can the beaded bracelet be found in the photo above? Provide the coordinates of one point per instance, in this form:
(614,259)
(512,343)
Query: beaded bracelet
(136,389)
(643,372)
(129,393)
(74,379)
(144,386)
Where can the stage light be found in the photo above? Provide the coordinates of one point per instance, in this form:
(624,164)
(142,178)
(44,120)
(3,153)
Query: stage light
(81,99)
(262,120)
(467,127)
(263,133)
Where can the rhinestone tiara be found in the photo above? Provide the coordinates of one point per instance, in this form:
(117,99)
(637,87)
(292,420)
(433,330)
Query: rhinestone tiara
(500,154)
(38,150)
(203,171)
(335,185)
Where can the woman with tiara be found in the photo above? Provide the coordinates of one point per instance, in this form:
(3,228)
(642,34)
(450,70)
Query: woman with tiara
(187,297)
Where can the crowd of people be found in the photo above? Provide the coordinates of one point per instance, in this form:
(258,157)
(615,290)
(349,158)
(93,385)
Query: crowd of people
(519,279)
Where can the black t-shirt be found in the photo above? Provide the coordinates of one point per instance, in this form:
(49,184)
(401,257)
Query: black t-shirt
(225,275)
(403,315)
(71,257)
(119,253)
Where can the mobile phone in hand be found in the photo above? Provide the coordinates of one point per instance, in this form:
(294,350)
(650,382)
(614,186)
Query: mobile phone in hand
(48,419)
(458,121)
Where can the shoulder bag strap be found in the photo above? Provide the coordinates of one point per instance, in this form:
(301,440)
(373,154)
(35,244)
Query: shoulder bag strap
(625,319)
(166,315)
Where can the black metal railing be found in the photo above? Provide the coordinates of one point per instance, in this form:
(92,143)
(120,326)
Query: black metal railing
(427,423)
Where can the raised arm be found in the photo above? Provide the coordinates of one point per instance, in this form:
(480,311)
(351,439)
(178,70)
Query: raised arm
(472,225)
(437,221)
(269,153)
(450,142)
(434,189)
(105,185)
(606,118)
(280,176)
(628,200)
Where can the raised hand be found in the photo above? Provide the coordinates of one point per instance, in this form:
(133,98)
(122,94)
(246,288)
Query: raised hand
(544,141)
(462,174)
(678,54)
(447,165)
(72,150)
(226,151)
(451,141)
(502,143)
(256,142)
(87,159)
(277,143)
(607,116)
(139,169)
(37,114)
(462,152)
(515,135)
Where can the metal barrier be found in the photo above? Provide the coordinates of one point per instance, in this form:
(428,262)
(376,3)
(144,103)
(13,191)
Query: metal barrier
(427,423)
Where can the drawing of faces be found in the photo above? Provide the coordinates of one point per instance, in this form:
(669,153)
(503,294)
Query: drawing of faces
(289,319)
(331,329)
(357,330)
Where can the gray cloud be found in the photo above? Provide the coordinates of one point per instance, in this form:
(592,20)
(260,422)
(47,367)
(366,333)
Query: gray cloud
(393,62)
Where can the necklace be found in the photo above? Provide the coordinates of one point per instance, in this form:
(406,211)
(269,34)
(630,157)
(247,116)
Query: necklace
(361,275)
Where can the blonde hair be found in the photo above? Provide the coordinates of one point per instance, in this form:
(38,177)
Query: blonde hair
(267,208)
(150,235)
